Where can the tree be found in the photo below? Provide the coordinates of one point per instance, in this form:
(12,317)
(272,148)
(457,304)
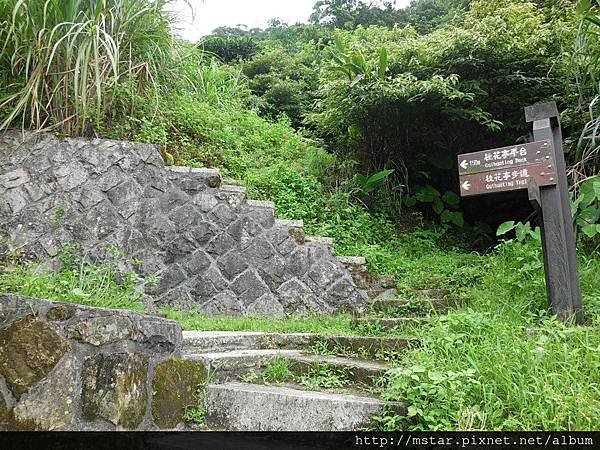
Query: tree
(350,14)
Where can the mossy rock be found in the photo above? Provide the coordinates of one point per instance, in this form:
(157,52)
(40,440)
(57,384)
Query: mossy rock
(114,388)
(176,387)
(29,350)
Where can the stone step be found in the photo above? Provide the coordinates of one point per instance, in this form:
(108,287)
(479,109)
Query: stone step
(425,306)
(432,293)
(209,177)
(250,407)
(366,346)
(384,295)
(261,204)
(350,261)
(231,365)
(387,323)
(357,266)
(221,341)
(195,342)
(235,195)
(384,281)
(358,371)
(319,240)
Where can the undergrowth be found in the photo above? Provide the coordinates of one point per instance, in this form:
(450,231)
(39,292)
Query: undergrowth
(503,363)
(83,284)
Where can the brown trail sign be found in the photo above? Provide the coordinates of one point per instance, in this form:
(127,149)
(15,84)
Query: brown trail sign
(539,167)
(506,168)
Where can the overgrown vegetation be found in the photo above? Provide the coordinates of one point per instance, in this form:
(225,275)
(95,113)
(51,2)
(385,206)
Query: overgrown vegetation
(75,281)
(352,123)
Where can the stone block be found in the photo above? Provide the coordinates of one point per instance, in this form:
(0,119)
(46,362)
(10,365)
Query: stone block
(176,387)
(29,350)
(114,388)
(232,264)
(101,330)
(52,404)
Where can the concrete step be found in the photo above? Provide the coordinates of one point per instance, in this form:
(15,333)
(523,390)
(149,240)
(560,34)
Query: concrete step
(319,240)
(357,266)
(413,307)
(231,365)
(432,293)
(233,194)
(385,295)
(384,281)
(350,261)
(388,323)
(221,341)
(358,371)
(366,346)
(250,407)
(209,177)
(198,342)
(295,229)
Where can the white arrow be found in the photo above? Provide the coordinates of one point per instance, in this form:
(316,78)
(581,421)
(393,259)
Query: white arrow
(464,164)
(466,185)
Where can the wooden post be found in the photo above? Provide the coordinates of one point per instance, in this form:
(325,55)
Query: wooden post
(558,238)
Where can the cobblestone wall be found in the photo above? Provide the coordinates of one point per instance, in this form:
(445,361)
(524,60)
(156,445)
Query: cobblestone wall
(68,367)
(209,247)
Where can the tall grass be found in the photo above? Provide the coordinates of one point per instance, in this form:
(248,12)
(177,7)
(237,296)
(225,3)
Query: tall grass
(587,158)
(61,61)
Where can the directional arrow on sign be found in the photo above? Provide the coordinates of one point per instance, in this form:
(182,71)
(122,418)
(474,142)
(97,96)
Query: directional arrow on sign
(466,185)
(464,164)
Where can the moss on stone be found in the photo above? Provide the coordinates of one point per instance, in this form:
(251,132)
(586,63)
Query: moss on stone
(114,388)
(61,312)
(29,350)
(175,387)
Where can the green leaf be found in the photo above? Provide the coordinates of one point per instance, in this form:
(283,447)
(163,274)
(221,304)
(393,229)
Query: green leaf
(505,228)
(438,206)
(446,216)
(458,219)
(591,230)
(383,63)
(380,176)
(410,201)
(450,198)
(427,194)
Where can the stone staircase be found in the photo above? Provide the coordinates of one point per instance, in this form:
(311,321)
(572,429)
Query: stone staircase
(236,401)
(234,405)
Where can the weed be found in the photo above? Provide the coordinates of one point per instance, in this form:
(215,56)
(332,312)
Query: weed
(84,283)
(195,415)
(325,376)
(277,370)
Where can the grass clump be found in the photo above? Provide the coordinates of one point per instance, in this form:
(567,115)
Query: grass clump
(80,283)
(318,376)
(325,376)
(277,371)
(195,415)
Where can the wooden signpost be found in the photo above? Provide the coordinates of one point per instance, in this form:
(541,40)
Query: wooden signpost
(539,167)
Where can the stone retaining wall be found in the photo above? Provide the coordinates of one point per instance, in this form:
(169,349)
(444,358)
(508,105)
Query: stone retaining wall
(209,247)
(70,367)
